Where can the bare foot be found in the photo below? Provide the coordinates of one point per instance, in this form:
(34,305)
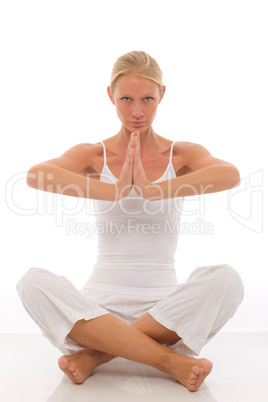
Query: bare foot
(191,372)
(79,365)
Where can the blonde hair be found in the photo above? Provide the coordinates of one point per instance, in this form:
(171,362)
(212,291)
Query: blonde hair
(141,64)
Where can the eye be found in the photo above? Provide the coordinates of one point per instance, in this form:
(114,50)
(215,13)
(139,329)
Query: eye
(148,98)
(126,98)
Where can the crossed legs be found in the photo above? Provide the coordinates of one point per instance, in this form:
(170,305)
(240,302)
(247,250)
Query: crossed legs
(107,336)
(54,303)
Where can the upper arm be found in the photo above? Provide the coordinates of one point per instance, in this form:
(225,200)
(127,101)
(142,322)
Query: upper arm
(74,160)
(198,157)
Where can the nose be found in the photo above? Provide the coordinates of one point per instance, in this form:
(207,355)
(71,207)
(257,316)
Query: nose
(137,111)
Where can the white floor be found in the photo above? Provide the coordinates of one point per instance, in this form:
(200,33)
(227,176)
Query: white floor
(29,373)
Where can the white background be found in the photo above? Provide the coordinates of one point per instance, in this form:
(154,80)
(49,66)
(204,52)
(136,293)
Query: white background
(56,60)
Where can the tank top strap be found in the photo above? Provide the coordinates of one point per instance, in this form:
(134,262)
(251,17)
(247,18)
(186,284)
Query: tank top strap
(104,153)
(171,151)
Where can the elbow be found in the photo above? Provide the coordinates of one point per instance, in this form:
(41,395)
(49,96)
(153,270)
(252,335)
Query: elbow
(31,178)
(234,178)
(35,177)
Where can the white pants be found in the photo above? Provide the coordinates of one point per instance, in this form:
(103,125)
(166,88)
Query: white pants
(195,310)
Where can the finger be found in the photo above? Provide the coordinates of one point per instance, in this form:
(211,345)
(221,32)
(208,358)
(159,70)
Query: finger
(129,157)
(137,151)
(131,144)
(134,135)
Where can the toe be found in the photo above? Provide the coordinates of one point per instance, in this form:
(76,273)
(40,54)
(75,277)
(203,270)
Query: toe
(63,363)
(207,367)
(192,382)
(196,370)
(79,378)
(191,388)
(71,368)
(193,376)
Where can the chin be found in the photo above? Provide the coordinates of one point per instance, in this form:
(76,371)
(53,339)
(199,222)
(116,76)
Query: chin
(141,130)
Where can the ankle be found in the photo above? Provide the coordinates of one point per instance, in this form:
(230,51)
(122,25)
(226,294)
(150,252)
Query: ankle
(165,362)
(105,358)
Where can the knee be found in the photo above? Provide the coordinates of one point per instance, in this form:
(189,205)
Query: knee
(29,282)
(230,281)
(229,274)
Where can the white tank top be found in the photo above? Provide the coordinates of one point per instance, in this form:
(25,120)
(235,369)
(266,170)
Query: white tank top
(137,241)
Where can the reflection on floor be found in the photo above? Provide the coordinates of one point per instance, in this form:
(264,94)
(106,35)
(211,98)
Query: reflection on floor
(29,372)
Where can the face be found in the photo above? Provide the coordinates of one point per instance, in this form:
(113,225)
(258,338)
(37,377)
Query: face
(136,100)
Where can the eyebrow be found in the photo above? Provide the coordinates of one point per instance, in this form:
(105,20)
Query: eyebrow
(143,96)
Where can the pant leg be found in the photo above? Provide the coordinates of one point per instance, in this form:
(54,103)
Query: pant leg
(199,308)
(55,305)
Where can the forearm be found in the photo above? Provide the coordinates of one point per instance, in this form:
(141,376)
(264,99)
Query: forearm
(54,179)
(210,179)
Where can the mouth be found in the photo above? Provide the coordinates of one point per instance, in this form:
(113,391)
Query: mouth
(137,123)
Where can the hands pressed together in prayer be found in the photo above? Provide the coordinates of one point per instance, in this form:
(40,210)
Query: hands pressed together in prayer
(132,173)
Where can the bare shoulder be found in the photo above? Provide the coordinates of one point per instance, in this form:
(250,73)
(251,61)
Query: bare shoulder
(186,148)
(189,151)
(191,156)
(83,151)
(78,157)
(195,156)
(82,156)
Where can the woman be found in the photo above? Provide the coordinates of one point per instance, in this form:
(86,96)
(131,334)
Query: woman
(132,305)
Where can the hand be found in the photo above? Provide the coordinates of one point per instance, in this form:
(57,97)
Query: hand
(124,184)
(140,181)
